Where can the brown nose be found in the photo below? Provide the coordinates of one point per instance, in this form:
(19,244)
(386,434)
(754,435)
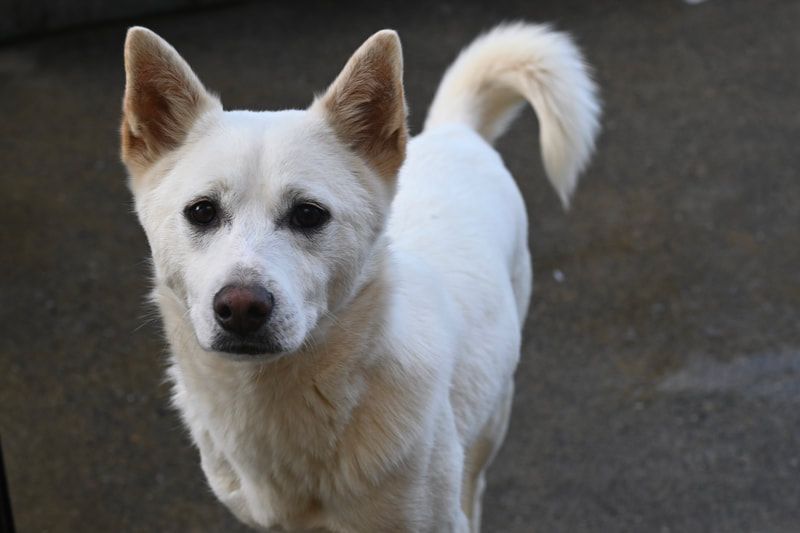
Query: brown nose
(243,310)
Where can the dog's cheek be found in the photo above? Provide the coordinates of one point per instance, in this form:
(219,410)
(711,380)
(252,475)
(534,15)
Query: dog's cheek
(300,290)
(290,325)
(345,260)
(168,271)
(163,237)
(313,297)
(177,284)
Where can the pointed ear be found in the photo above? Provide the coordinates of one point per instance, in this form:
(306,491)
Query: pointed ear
(163,98)
(366,104)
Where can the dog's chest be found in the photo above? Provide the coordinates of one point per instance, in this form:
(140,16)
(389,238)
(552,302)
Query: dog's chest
(270,451)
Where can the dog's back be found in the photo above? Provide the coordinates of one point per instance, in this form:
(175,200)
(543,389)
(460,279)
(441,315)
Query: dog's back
(457,205)
(460,212)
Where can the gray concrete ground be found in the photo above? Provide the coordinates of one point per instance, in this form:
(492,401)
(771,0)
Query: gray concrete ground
(659,388)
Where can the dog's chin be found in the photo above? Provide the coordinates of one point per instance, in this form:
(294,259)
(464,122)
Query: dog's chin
(247,349)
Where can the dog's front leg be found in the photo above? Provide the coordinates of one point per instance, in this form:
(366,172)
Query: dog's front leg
(222,479)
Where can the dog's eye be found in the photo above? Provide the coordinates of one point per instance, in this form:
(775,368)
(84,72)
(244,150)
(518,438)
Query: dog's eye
(201,213)
(308,216)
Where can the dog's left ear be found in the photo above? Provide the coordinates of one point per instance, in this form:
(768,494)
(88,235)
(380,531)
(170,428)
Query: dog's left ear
(366,104)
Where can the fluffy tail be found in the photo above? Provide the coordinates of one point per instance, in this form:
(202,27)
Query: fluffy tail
(488,83)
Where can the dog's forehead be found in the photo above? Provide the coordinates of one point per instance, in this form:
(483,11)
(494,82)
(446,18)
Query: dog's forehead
(260,153)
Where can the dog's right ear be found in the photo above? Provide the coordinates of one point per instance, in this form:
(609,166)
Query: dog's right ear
(163,99)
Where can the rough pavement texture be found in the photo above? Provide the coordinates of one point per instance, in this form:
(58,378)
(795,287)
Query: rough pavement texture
(659,388)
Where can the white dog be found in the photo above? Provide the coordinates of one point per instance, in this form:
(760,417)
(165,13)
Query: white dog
(345,307)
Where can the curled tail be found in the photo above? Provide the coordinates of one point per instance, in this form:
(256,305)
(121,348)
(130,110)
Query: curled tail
(490,80)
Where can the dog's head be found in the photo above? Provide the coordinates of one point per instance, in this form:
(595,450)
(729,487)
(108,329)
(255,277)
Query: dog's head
(261,223)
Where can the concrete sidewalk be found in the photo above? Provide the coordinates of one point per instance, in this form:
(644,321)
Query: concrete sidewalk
(659,388)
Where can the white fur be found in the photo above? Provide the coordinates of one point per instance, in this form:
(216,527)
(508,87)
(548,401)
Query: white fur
(401,321)
(487,83)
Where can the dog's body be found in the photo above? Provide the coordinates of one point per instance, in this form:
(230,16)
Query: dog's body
(375,386)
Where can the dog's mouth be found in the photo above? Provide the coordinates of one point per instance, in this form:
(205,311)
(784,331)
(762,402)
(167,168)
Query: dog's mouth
(251,347)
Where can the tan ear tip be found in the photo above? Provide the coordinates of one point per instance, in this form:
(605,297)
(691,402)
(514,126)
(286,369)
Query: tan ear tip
(139,35)
(387,33)
(387,44)
(387,38)
(137,32)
